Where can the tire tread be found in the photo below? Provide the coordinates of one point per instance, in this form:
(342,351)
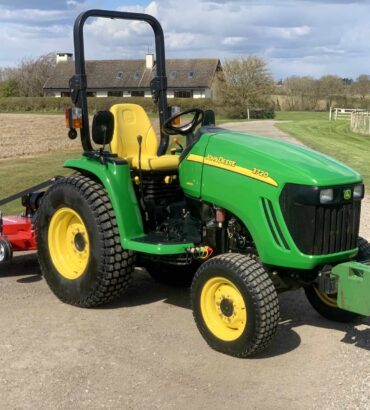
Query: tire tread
(117,265)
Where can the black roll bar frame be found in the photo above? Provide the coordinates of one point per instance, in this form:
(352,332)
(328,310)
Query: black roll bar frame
(78,83)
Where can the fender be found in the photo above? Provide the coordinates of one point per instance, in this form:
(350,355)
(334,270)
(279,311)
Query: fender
(116,179)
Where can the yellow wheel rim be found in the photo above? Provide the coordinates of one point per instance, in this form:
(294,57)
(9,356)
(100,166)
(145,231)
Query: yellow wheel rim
(69,244)
(223,309)
(325,298)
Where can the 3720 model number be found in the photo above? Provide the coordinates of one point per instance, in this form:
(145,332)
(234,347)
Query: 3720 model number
(260,173)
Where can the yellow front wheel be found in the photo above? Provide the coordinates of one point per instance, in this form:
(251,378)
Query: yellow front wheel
(326,305)
(223,308)
(235,304)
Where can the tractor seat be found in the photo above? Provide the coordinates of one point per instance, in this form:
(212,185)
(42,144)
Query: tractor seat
(130,120)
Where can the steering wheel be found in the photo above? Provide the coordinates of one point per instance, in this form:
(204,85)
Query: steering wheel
(186,129)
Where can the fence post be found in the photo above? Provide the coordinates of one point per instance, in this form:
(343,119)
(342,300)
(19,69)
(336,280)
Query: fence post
(330,113)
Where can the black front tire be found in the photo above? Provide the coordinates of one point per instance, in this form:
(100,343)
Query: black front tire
(325,305)
(363,250)
(109,267)
(220,289)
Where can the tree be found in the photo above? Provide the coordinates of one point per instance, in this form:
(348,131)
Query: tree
(302,93)
(361,87)
(245,83)
(9,88)
(331,86)
(31,75)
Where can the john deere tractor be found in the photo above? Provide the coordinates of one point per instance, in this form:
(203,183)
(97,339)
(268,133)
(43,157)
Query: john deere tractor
(239,217)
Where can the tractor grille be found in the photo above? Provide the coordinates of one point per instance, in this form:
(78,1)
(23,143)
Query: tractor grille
(322,229)
(336,228)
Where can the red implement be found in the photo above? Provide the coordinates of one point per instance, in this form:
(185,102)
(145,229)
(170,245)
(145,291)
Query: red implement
(20,232)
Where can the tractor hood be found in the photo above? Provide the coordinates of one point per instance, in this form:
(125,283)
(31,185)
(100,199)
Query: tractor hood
(279,161)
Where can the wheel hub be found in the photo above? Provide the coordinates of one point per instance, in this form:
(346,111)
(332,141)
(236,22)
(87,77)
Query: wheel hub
(2,253)
(227,307)
(80,242)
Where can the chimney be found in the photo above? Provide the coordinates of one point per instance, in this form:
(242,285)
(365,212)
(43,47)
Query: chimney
(62,57)
(149,61)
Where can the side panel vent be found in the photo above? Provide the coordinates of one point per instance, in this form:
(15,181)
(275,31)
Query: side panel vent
(274,224)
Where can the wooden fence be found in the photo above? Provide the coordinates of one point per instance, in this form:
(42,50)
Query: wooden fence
(360,122)
(341,113)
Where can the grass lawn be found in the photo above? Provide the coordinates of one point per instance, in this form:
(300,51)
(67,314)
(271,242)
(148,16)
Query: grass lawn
(19,174)
(300,115)
(333,138)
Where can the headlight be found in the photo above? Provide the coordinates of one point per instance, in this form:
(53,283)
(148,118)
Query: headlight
(358,191)
(326,196)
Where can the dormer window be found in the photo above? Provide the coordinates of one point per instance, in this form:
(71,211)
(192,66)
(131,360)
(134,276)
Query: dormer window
(120,75)
(173,74)
(191,74)
(137,75)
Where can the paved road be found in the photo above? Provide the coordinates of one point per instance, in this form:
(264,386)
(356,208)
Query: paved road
(144,352)
(263,127)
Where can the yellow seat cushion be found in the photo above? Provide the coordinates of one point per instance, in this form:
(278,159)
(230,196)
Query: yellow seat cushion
(130,121)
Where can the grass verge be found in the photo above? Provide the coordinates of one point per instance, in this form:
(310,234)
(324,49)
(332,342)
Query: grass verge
(22,173)
(334,138)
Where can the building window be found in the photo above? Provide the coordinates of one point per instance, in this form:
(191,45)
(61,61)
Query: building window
(91,94)
(120,75)
(191,74)
(65,94)
(183,94)
(137,75)
(137,93)
(115,93)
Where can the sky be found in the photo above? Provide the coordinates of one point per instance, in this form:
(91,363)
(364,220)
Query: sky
(295,37)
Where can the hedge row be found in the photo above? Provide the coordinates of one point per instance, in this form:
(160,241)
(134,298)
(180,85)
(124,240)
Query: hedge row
(55,105)
(52,104)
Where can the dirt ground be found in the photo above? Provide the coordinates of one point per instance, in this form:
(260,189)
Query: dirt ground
(32,134)
(144,352)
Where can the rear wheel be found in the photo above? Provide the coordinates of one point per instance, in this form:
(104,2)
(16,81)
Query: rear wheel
(325,304)
(79,247)
(6,252)
(235,305)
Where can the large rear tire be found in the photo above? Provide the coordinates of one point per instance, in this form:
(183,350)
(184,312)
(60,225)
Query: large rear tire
(79,246)
(326,305)
(235,305)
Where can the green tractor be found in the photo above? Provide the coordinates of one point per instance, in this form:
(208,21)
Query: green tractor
(239,217)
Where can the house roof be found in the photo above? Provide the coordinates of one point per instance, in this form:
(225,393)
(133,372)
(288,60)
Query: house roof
(128,74)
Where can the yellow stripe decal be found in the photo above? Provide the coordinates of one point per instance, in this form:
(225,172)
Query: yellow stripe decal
(195,158)
(233,168)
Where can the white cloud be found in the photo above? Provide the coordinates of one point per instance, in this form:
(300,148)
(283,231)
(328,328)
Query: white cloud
(296,37)
(232,41)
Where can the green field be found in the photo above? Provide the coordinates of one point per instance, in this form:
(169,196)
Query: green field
(300,115)
(18,175)
(330,137)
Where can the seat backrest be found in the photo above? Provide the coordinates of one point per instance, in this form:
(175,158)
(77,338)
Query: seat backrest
(130,120)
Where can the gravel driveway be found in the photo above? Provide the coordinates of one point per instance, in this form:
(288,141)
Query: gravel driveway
(144,352)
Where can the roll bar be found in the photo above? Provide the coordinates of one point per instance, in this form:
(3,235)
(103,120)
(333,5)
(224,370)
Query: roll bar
(78,83)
